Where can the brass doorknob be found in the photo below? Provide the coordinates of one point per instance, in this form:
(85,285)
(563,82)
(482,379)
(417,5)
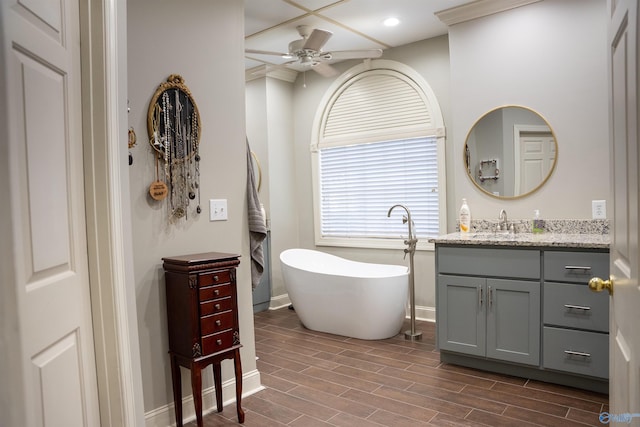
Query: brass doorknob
(596,284)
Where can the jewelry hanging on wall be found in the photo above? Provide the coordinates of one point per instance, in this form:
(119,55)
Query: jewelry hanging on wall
(174,134)
(131,143)
(131,137)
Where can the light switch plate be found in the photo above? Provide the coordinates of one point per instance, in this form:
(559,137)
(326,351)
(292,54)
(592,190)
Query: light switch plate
(218,210)
(599,209)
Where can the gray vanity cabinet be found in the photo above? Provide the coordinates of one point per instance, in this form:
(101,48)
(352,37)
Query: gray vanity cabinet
(490,307)
(496,318)
(524,311)
(576,320)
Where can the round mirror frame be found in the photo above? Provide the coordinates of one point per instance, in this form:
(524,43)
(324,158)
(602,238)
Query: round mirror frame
(466,158)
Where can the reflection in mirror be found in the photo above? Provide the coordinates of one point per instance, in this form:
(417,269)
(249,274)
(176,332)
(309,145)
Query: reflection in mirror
(510,152)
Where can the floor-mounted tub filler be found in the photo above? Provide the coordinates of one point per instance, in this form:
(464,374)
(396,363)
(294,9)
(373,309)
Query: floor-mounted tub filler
(411,242)
(343,297)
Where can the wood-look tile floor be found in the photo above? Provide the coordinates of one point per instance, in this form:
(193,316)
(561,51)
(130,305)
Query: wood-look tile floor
(317,379)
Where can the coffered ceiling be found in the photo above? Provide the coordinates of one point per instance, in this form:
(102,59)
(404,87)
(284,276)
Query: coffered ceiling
(356,24)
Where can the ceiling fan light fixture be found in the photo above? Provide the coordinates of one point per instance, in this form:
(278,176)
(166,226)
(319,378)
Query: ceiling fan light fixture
(391,22)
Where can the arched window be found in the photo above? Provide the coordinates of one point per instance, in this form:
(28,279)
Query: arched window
(378,141)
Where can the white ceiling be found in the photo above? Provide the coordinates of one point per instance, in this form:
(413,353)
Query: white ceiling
(356,24)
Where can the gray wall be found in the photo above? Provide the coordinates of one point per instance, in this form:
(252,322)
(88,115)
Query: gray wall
(203,41)
(545,56)
(551,57)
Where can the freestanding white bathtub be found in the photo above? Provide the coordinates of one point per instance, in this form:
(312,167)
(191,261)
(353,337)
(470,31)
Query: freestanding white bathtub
(343,297)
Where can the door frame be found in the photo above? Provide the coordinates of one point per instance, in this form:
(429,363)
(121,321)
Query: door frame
(112,286)
(108,213)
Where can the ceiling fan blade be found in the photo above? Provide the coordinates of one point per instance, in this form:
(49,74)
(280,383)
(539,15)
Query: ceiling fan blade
(317,39)
(266,52)
(354,54)
(325,70)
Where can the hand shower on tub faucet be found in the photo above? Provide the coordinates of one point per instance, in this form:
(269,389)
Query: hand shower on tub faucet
(411,240)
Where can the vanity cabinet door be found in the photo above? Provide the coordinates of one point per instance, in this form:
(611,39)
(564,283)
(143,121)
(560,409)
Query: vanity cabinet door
(513,321)
(461,315)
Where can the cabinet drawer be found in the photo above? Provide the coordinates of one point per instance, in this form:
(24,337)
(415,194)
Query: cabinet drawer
(217,342)
(214,278)
(579,352)
(216,323)
(576,267)
(215,306)
(514,263)
(213,292)
(575,306)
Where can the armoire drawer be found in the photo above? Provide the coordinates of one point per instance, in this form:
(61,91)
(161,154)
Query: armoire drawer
(214,278)
(217,342)
(214,292)
(215,306)
(216,323)
(579,352)
(575,306)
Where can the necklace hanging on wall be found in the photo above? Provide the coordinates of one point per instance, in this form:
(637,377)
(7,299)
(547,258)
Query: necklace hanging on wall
(173,124)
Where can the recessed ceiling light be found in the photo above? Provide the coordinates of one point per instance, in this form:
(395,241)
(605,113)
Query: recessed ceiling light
(391,22)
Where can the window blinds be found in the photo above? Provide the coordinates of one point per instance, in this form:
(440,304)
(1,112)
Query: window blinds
(359,183)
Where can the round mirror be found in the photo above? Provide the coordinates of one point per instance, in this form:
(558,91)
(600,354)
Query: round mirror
(510,152)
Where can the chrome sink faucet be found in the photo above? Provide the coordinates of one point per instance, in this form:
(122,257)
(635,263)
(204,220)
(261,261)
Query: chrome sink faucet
(503,224)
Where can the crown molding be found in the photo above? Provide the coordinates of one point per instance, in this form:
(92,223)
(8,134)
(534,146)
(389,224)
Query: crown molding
(280,73)
(478,9)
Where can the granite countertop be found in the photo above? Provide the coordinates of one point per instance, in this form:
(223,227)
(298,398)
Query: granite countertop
(558,240)
(588,234)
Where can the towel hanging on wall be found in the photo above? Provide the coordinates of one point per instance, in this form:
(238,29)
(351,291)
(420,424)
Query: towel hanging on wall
(257,223)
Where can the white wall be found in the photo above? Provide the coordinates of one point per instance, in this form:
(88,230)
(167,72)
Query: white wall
(551,57)
(185,37)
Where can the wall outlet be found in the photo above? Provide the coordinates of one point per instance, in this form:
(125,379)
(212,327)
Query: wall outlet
(599,209)
(218,210)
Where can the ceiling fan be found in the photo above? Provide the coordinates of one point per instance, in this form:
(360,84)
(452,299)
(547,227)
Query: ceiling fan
(307,52)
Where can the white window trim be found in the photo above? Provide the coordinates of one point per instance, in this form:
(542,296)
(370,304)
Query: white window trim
(437,130)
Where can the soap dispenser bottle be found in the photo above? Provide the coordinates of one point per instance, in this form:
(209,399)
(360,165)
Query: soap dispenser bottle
(537,225)
(465,217)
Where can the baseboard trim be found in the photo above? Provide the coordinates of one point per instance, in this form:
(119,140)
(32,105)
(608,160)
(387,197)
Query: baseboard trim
(424,313)
(427,314)
(279,302)
(165,416)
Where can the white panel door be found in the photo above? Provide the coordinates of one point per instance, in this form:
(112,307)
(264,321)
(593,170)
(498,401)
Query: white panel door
(624,388)
(47,199)
(537,154)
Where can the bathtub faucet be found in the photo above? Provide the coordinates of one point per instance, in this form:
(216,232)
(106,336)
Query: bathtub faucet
(412,239)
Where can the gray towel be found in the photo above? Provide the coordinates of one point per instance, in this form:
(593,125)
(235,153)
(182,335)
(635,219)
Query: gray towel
(257,227)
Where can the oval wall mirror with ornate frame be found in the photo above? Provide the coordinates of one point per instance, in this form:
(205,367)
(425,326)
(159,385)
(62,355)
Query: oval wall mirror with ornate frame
(510,152)
(173,124)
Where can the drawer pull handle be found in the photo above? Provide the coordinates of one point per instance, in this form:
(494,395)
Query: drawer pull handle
(577,267)
(218,323)
(577,307)
(215,278)
(217,306)
(577,353)
(219,342)
(217,292)
(480,297)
